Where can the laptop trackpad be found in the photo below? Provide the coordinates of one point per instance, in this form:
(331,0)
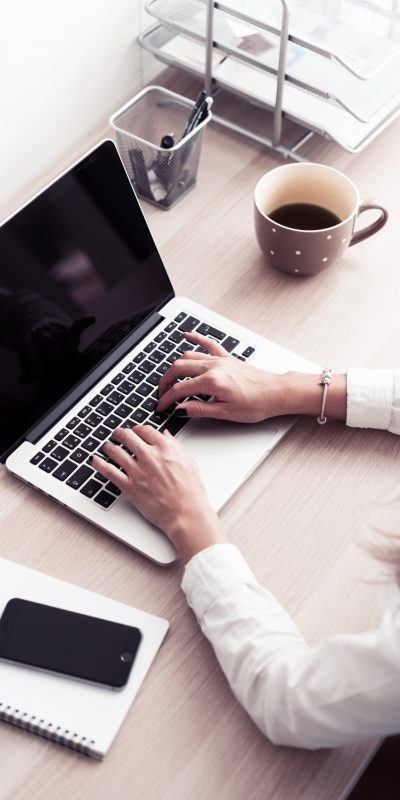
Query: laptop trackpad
(228,452)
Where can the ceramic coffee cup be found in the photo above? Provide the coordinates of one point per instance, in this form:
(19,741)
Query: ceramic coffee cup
(311,195)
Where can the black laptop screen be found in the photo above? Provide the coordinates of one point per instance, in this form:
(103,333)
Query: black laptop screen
(79,271)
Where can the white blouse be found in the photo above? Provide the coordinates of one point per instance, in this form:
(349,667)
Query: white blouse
(348,687)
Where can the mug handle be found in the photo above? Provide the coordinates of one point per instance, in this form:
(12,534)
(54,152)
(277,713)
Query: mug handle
(359,236)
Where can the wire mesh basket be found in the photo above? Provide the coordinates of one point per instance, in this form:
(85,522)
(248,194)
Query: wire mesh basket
(145,129)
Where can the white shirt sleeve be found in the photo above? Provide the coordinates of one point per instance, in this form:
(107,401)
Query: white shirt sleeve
(373,399)
(345,690)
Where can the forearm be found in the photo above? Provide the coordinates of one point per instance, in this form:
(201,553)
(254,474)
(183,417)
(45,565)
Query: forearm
(343,691)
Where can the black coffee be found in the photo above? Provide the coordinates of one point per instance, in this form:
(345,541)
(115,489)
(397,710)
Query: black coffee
(304,216)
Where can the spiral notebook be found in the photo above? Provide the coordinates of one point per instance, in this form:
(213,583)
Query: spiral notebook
(79,715)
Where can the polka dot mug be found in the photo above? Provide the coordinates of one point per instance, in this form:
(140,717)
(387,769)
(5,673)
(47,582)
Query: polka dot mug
(303,251)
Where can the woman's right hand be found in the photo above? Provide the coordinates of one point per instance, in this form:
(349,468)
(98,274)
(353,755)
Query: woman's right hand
(240,392)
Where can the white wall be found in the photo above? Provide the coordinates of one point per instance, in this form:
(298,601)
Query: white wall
(65,66)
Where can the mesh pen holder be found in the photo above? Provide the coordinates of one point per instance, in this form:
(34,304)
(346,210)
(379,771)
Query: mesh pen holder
(159,175)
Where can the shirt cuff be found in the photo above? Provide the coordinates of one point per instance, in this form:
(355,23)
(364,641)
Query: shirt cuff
(213,572)
(369,398)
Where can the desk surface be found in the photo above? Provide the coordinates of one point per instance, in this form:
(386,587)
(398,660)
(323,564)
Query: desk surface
(298,519)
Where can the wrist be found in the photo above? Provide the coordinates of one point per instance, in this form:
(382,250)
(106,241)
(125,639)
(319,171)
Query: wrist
(195,530)
(302,394)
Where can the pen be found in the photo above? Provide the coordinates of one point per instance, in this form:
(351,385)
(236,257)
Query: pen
(199,104)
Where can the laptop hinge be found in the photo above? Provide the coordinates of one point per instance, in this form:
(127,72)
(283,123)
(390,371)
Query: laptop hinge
(91,379)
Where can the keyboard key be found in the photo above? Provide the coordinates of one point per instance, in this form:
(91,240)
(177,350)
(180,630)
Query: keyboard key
(129,367)
(47,465)
(83,430)
(105,408)
(154,379)
(60,435)
(59,453)
(85,410)
(79,477)
(176,337)
(158,418)
(79,455)
(64,470)
(112,488)
(113,421)
(107,389)
(118,378)
(149,347)
(36,458)
(134,400)
(163,368)
(104,499)
(170,327)
(74,421)
(180,317)
(99,477)
(147,366)
(101,432)
(150,404)
(93,419)
(229,343)
(137,376)
(166,347)
(71,442)
(91,488)
(48,446)
(173,357)
(175,424)
(184,347)
(160,336)
(90,444)
(96,400)
(189,324)
(139,415)
(202,350)
(123,410)
(240,358)
(140,356)
(115,398)
(248,352)
(156,357)
(145,389)
(128,423)
(208,330)
(125,387)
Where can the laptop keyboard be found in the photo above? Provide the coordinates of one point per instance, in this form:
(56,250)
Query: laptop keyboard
(128,399)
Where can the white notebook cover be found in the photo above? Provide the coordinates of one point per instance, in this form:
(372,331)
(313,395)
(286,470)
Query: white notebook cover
(74,713)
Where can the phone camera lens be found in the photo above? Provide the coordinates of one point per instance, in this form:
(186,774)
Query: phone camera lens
(126,657)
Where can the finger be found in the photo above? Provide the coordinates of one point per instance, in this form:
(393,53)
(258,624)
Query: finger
(197,408)
(129,438)
(182,390)
(110,472)
(149,434)
(119,455)
(182,368)
(210,344)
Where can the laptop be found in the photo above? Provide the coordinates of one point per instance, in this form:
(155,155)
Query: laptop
(88,324)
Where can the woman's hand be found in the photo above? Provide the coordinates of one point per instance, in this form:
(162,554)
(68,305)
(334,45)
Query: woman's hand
(162,481)
(240,392)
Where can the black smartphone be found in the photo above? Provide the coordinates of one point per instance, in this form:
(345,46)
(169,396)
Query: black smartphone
(69,644)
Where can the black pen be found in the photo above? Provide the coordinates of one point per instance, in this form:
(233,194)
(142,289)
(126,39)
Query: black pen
(199,104)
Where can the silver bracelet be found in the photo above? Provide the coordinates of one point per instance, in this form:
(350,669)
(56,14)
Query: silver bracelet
(325,380)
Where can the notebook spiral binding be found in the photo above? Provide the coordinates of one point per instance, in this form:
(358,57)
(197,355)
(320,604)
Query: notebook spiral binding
(47,729)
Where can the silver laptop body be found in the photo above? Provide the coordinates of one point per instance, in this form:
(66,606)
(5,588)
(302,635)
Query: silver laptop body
(90,322)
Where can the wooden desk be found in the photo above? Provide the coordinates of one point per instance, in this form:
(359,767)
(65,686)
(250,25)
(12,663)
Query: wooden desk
(297,519)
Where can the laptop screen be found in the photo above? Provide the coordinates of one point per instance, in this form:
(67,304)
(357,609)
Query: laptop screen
(79,272)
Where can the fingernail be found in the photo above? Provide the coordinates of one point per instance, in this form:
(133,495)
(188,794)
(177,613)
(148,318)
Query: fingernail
(181,412)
